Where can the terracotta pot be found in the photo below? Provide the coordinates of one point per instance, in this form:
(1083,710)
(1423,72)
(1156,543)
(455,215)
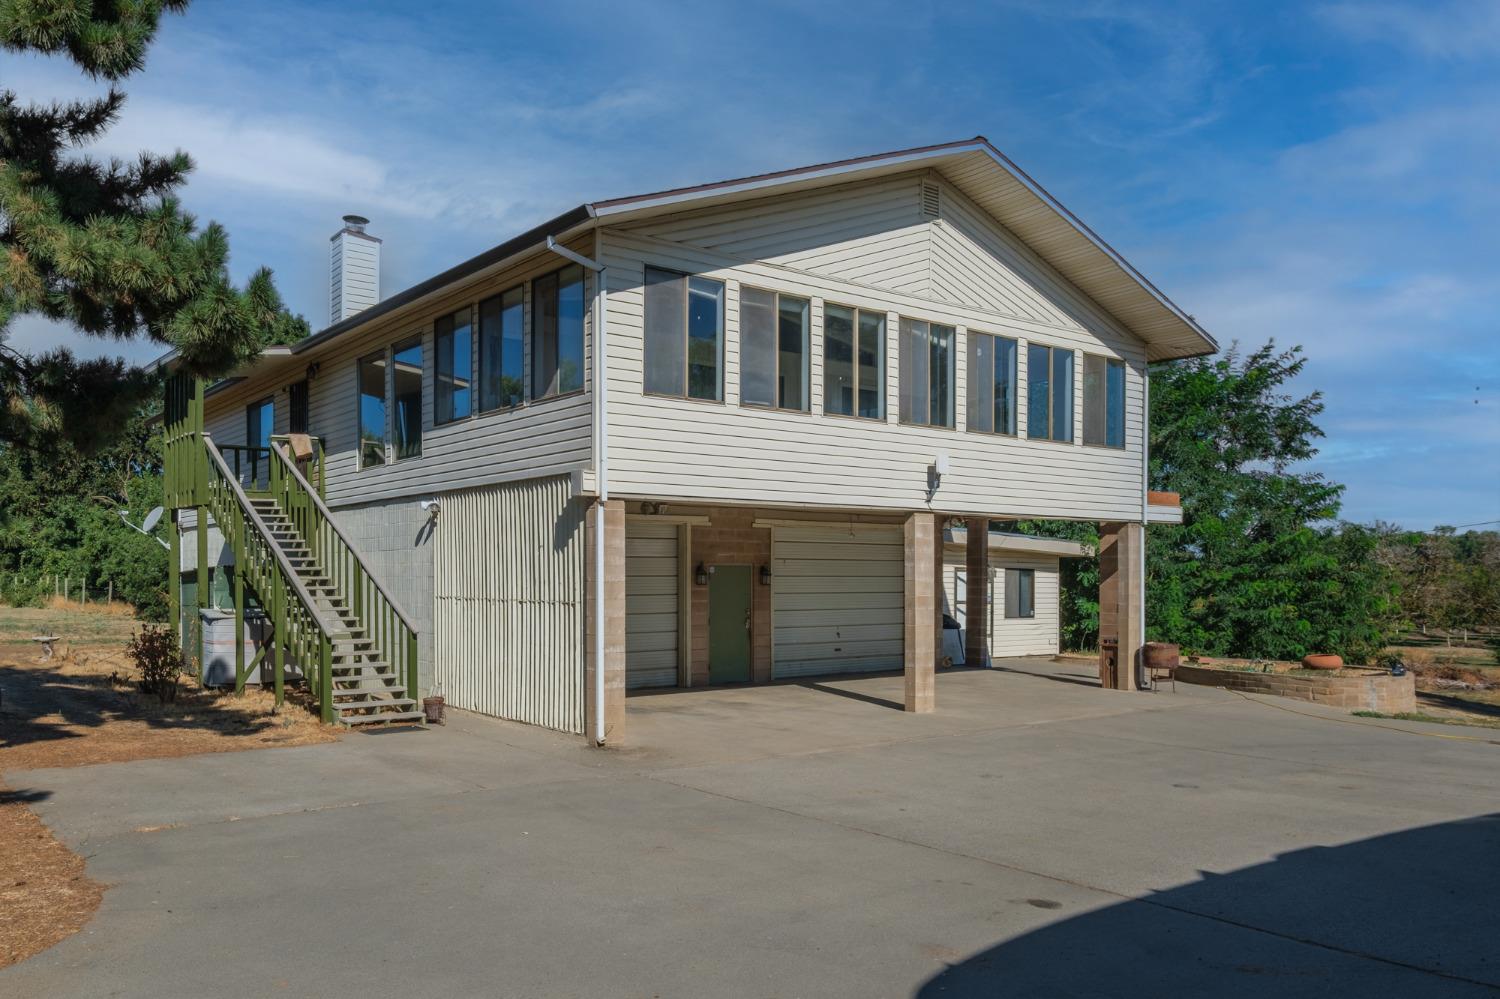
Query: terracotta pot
(1160,655)
(1322,662)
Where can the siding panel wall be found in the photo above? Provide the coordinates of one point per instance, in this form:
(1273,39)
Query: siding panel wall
(1035,636)
(509,602)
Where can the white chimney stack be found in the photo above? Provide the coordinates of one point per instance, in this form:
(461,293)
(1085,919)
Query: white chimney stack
(355,283)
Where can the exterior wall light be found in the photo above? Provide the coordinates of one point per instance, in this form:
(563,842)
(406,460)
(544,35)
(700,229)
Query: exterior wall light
(700,575)
(765,575)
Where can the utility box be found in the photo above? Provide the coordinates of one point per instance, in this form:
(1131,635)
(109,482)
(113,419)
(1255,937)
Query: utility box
(219,645)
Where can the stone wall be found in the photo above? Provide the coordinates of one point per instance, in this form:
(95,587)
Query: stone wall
(1376,691)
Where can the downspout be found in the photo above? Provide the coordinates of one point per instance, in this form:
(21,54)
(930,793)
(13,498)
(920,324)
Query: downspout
(1141,674)
(601,465)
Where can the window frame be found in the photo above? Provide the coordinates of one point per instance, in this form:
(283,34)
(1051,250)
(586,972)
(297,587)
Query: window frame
(776,297)
(1124,409)
(687,304)
(902,371)
(882,362)
(972,383)
(384,356)
(401,346)
(252,410)
(1026,613)
(534,334)
(1052,354)
(438,335)
(480,409)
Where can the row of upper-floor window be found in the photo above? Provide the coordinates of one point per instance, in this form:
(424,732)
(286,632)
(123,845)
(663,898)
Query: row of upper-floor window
(684,320)
(684,358)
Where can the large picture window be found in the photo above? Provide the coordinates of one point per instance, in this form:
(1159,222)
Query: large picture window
(927,373)
(406,398)
(1020,593)
(557,333)
(853,362)
(452,365)
(992,384)
(1103,401)
(502,352)
(684,349)
(774,334)
(1049,393)
(372,410)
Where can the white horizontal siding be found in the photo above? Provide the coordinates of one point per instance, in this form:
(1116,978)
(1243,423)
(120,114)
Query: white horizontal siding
(688,449)
(545,437)
(1035,636)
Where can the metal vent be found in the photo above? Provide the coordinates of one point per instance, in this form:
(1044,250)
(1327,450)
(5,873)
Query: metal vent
(930,199)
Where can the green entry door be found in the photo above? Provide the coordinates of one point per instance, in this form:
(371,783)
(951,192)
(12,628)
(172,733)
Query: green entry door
(729,624)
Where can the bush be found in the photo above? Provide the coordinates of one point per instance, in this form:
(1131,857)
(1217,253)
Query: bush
(159,660)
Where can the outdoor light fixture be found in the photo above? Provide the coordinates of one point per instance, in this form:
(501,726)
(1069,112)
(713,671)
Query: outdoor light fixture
(765,575)
(313,369)
(935,473)
(431,507)
(700,575)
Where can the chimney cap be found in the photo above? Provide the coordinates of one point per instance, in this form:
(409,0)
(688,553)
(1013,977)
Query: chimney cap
(356,222)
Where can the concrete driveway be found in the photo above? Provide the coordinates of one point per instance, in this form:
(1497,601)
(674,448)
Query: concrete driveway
(1036,836)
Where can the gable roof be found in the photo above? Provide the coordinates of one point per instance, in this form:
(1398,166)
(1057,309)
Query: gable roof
(983,173)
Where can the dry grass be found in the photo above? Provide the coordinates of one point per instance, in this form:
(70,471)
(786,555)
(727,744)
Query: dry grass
(84,707)
(44,892)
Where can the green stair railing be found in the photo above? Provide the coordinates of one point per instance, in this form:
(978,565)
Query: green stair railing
(384,621)
(300,626)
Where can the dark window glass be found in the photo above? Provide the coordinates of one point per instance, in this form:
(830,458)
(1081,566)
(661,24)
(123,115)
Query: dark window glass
(502,357)
(794,318)
(372,410)
(452,363)
(260,420)
(839,386)
(666,332)
(1103,401)
(705,335)
(871,369)
(992,383)
(297,417)
(926,373)
(1020,593)
(757,347)
(1006,388)
(406,398)
(1049,393)
(557,332)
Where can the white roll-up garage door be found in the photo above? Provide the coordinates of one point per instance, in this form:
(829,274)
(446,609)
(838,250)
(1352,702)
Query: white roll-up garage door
(837,599)
(650,604)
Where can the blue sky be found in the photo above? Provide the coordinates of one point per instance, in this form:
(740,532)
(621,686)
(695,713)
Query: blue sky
(1324,174)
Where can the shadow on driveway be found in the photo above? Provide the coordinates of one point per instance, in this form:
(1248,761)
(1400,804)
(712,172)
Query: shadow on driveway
(1413,910)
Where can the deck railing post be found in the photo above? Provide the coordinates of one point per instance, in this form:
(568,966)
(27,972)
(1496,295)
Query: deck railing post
(279,636)
(325,681)
(238,548)
(411,665)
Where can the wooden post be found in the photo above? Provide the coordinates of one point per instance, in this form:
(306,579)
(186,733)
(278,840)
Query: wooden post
(325,679)
(174,579)
(278,635)
(239,607)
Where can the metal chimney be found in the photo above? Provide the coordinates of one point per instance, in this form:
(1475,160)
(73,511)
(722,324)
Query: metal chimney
(354,284)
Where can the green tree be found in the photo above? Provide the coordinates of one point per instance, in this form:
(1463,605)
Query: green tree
(1259,566)
(106,247)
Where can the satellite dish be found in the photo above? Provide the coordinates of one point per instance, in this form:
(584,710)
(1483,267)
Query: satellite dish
(152,519)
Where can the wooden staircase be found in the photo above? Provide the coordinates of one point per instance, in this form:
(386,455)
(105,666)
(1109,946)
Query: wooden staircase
(329,614)
(366,689)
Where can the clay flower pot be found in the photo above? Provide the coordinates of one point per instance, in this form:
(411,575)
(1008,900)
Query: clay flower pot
(1322,662)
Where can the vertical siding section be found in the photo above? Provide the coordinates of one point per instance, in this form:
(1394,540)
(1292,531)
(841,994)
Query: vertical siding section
(508,602)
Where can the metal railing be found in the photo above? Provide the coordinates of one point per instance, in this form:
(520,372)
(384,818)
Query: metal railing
(384,621)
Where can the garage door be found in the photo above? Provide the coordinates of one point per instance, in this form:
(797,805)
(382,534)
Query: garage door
(650,604)
(837,597)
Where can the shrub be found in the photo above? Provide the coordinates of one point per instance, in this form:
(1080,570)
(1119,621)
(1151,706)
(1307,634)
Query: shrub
(159,660)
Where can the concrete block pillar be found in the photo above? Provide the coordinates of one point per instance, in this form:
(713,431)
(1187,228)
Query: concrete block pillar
(977,593)
(1122,594)
(614,624)
(923,617)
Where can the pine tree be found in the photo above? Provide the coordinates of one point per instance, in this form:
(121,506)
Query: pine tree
(106,247)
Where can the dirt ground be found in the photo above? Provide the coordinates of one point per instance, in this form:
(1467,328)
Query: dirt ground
(83,707)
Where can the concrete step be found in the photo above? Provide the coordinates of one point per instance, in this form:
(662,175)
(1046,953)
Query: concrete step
(389,716)
(373,702)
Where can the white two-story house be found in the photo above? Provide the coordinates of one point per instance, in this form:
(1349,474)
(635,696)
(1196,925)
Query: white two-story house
(733,433)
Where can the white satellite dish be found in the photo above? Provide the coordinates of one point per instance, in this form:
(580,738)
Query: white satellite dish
(152,519)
